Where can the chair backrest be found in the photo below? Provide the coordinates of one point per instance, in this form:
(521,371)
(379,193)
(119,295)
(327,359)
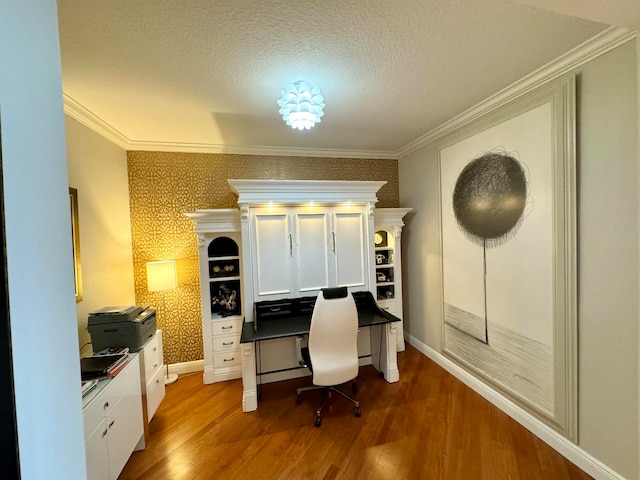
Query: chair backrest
(333,337)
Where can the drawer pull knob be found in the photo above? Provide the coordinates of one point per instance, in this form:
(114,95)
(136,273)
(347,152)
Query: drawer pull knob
(227,328)
(106,405)
(229,359)
(226,344)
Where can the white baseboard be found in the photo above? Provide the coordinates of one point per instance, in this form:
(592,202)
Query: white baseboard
(565,447)
(186,367)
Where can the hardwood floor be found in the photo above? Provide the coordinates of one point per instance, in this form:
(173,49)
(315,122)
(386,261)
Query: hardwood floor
(427,426)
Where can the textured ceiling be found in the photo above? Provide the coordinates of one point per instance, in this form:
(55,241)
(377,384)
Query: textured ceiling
(203,74)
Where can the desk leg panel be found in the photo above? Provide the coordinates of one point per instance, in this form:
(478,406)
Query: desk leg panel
(249,387)
(391,372)
(384,351)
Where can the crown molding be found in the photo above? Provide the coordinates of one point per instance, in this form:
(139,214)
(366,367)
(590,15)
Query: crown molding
(92,121)
(95,123)
(301,191)
(587,51)
(258,150)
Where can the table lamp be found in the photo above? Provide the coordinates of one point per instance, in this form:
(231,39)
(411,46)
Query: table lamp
(162,276)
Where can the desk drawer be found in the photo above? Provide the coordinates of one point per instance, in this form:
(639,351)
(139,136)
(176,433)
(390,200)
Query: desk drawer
(226,343)
(227,359)
(231,325)
(152,356)
(155,393)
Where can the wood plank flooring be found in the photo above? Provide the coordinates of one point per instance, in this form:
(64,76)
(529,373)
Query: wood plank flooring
(427,426)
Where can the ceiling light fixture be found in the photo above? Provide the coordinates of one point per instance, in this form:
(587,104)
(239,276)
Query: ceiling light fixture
(301,106)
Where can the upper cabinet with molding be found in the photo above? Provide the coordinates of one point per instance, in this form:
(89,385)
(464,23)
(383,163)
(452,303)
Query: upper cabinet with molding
(301,249)
(304,235)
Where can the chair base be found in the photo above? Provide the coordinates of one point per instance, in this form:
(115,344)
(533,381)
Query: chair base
(326,392)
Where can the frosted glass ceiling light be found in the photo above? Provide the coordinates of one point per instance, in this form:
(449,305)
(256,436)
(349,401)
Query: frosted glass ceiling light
(301,106)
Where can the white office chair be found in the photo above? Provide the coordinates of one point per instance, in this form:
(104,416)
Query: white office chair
(332,352)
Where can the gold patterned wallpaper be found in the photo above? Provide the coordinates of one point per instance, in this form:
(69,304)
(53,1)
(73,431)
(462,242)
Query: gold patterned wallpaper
(162,186)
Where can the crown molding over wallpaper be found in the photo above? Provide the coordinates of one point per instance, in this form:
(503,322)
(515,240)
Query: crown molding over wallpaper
(592,48)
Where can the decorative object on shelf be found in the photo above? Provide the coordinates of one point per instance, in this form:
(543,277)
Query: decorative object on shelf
(380,239)
(161,276)
(381,259)
(301,105)
(224,303)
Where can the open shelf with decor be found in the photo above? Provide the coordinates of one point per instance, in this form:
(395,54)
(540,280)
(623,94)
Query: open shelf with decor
(388,262)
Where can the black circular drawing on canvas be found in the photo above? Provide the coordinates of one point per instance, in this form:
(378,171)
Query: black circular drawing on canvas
(489,198)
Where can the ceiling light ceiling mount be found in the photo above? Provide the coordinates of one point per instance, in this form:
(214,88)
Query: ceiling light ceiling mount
(301,105)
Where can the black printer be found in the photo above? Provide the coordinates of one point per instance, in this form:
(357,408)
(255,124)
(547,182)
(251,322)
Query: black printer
(121,327)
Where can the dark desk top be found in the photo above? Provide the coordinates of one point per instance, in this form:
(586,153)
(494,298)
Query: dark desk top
(369,314)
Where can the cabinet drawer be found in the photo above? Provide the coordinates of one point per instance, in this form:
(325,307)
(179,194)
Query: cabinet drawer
(226,326)
(95,412)
(155,393)
(226,343)
(227,359)
(152,356)
(126,382)
(391,306)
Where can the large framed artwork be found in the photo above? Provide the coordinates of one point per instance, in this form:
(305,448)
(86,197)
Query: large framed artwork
(508,219)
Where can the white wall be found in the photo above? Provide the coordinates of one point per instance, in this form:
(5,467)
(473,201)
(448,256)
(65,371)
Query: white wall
(607,256)
(38,237)
(98,170)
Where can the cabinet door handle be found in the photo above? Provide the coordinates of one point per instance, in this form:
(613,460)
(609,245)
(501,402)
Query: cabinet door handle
(333,234)
(229,359)
(155,365)
(104,434)
(111,424)
(290,245)
(226,344)
(105,406)
(227,328)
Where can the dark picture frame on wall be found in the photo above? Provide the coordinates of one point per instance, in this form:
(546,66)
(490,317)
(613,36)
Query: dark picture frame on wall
(75,235)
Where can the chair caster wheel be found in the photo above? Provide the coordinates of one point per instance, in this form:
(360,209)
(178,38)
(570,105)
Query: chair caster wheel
(357,412)
(298,398)
(318,421)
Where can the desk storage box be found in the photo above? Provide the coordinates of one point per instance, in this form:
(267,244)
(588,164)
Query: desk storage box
(121,327)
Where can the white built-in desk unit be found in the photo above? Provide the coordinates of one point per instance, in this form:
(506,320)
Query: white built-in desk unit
(290,239)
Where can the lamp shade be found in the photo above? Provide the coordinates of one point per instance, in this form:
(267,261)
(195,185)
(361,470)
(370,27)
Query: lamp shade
(301,105)
(161,275)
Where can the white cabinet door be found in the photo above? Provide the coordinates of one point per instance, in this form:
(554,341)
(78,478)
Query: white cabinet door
(300,250)
(124,420)
(349,247)
(97,453)
(311,244)
(273,245)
